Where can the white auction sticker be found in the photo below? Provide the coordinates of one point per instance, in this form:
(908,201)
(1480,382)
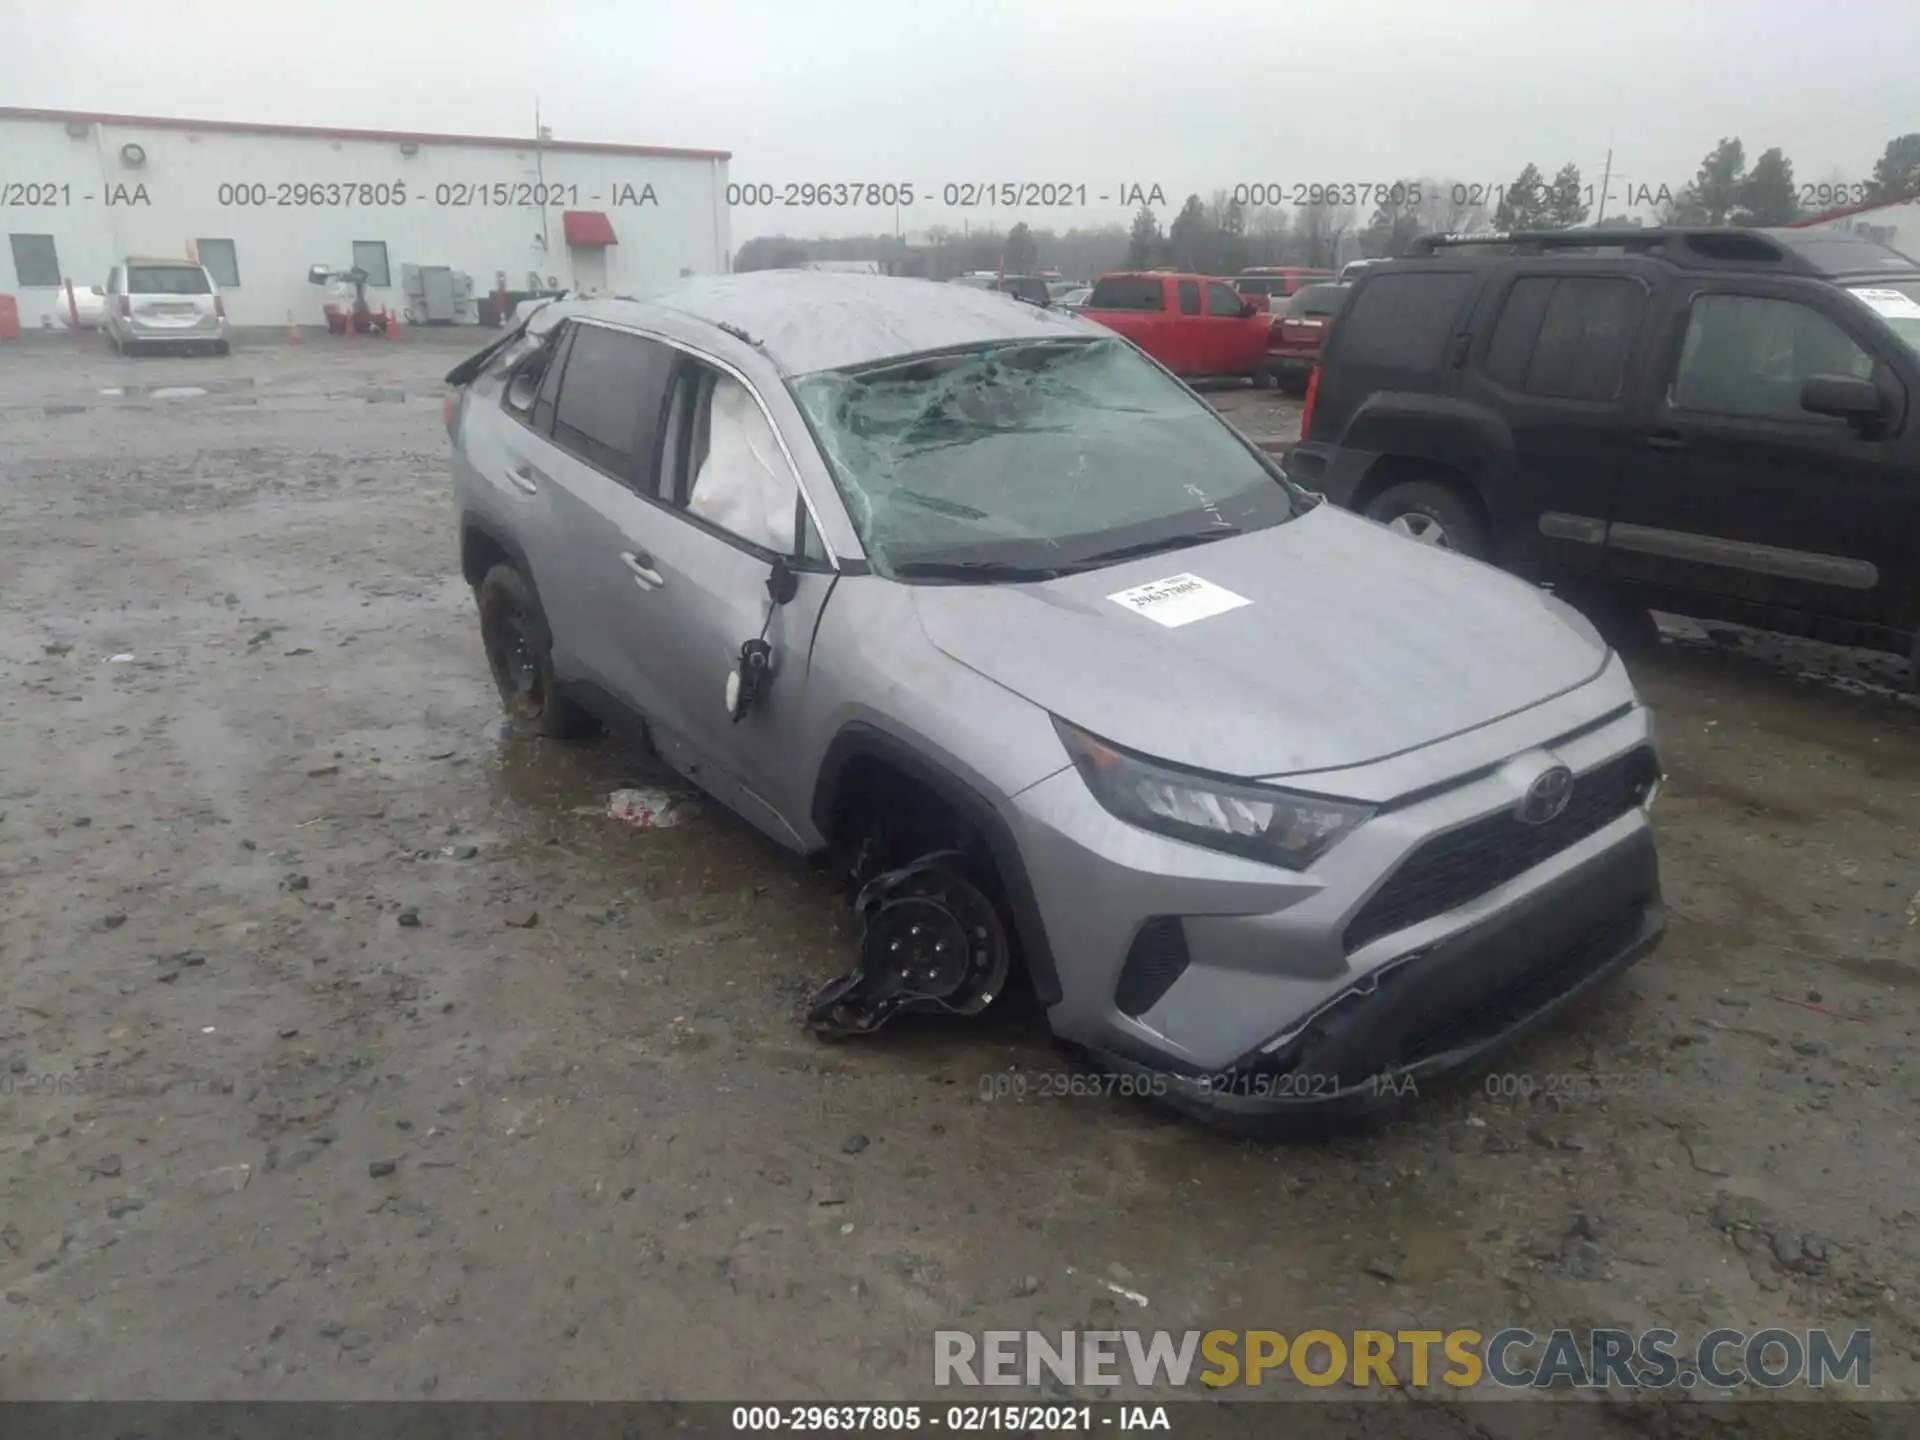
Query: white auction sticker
(1179,600)
(1895,304)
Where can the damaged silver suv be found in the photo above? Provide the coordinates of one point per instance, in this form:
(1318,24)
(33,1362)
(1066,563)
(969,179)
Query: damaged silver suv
(1276,811)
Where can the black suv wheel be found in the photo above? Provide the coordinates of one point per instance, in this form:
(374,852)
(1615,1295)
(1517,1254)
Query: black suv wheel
(1431,513)
(519,652)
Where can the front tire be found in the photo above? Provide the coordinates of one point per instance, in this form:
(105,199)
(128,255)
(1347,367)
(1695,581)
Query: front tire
(1429,512)
(519,648)
(1262,378)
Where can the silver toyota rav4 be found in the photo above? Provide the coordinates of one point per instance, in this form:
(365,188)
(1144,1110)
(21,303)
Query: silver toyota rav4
(1278,813)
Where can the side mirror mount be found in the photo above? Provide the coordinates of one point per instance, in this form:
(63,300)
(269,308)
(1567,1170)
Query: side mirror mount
(1248,309)
(1846,397)
(782,583)
(319,274)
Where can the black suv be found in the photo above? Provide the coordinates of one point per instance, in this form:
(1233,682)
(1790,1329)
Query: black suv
(1714,422)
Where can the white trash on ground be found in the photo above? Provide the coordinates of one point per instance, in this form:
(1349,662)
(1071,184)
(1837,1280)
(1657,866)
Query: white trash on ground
(648,809)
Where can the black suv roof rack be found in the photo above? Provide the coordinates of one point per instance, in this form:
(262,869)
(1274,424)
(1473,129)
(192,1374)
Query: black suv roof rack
(1798,252)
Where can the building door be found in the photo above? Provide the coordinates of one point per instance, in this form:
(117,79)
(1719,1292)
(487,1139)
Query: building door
(589,267)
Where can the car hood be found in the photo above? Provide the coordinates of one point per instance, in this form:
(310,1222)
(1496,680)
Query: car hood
(1352,644)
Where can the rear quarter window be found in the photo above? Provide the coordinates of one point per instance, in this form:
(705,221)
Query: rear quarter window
(168,280)
(1402,322)
(1129,292)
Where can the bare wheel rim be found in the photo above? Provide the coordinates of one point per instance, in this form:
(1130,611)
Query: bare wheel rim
(1422,528)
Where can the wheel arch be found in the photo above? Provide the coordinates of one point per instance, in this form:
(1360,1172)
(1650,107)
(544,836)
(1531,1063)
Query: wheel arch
(859,747)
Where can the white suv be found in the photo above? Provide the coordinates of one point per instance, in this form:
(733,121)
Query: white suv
(165,302)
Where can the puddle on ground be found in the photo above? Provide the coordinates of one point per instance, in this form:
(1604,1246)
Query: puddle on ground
(226,386)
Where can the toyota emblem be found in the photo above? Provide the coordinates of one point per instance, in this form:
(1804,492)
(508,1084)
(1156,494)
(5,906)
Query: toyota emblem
(1546,797)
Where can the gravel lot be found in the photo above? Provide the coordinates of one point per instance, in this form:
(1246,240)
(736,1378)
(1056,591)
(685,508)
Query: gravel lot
(348,1049)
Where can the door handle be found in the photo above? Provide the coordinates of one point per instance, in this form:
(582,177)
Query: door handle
(525,478)
(641,564)
(1663,440)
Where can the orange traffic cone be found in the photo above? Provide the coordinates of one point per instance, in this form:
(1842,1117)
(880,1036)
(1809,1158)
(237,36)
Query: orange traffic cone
(393,325)
(293,330)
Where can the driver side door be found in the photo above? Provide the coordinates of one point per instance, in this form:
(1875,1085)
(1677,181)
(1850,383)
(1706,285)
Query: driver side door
(699,546)
(1738,492)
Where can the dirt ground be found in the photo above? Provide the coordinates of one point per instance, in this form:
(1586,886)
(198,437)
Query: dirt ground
(348,1049)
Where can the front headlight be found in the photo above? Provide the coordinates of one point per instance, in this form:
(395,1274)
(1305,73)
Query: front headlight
(1256,821)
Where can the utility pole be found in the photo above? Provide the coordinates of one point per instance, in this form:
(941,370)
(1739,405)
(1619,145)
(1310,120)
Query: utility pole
(540,178)
(1606,179)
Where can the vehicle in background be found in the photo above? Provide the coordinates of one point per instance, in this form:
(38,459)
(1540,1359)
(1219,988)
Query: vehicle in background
(1263,284)
(977,600)
(1194,325)
(1293,347)
(345,309)
(1721,423)
(1354,269)
(1030,288)
(156,302)
(1074,299)
(1057,288)
(90,305)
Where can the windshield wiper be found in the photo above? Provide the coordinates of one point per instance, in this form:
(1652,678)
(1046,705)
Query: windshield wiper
(1154,547)
(984,572)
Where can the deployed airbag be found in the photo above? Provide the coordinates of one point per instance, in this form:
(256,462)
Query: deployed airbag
(744,485)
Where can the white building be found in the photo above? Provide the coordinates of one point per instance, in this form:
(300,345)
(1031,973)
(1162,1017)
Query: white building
(258,205)
(1895,223)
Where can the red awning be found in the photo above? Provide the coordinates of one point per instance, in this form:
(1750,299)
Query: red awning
(588,227)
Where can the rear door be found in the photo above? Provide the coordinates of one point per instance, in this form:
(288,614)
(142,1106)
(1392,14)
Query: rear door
(701,545)
(1554,361)
(1736,491)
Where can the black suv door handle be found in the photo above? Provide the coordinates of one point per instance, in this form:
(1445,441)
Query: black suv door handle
(1663,440)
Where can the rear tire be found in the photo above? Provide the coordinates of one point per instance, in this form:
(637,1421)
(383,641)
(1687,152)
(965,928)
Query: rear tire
(1431,512)
(519,648)
(223,348)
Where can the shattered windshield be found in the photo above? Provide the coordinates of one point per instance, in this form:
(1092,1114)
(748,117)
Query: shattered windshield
(1032,458)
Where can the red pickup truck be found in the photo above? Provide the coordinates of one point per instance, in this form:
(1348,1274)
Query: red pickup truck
(1192,324)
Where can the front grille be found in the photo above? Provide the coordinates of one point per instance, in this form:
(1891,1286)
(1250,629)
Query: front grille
(1451,869)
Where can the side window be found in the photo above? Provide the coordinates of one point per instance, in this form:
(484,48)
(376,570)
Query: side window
(221,260)
(723,465)
(34,260)
(1189,297)
(1511,349)
(1581,353)
(1128,292)
(610,394)
(1566,337)
(536,369)
(1747,355)
(1402,322)
(371,256)
(1222,301)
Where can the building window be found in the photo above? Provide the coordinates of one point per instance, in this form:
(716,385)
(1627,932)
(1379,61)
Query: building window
(221,262)
(34,260)
(371,256)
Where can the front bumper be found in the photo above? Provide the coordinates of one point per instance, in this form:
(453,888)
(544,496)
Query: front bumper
(1270,994)
(1445,1010)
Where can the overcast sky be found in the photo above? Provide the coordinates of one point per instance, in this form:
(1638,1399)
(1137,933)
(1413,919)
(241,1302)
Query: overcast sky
(1103,94)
